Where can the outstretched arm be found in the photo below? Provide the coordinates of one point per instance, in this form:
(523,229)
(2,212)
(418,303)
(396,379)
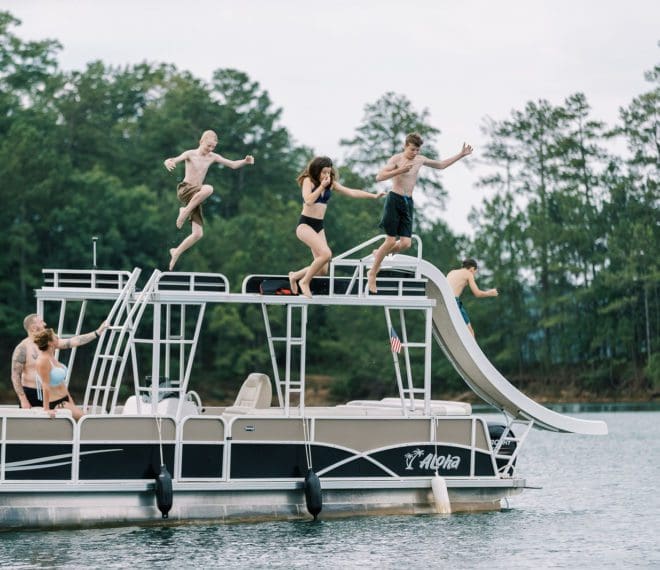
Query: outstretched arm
(170,163)
(81,339)
(17,366)
(390,170)
(353,193)
(478,292)
(441,164)
(234,164)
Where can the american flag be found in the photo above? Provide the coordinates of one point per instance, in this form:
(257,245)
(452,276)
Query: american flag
(395,342)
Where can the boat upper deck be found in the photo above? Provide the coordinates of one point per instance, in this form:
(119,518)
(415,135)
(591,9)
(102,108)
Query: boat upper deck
(404,290)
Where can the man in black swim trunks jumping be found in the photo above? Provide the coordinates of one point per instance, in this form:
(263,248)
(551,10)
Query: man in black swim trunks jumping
(397,219)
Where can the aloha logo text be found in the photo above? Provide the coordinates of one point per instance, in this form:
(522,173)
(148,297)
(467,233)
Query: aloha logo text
(431,461)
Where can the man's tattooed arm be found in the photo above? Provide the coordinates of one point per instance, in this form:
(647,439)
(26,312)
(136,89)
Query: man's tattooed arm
(18,360)
(78,340)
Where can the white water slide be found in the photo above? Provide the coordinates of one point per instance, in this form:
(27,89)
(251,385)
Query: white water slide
(477,371)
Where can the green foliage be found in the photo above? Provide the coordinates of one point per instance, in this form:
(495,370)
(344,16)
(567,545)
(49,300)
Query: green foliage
(652,371)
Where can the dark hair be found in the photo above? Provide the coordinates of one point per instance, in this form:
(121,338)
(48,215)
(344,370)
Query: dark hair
(314,168)
(414,139)
(41,339)
(469,262)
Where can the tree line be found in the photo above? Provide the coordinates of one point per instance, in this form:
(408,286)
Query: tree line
(568,227)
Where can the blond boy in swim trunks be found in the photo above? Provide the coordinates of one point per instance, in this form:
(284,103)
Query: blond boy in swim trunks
(397,219)
(459,278)
(192,191)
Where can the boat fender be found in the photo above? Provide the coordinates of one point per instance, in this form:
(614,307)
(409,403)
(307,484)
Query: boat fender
(440,495)
(164,491)
(313,496)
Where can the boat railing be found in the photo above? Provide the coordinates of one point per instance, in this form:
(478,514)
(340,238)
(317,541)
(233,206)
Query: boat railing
(85,279)
(192,282)
(347,277)
(358,266)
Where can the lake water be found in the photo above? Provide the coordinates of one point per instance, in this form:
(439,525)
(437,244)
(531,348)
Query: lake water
(599,507)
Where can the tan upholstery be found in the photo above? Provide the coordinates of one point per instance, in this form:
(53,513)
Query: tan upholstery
(255,393)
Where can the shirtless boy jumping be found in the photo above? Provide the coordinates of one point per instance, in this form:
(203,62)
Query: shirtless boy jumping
(459,278)
(192,191)
(397,219)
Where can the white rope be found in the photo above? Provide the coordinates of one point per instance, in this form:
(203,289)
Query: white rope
(160,438)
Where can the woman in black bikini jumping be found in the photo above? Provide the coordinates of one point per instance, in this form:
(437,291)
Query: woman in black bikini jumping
(318,182)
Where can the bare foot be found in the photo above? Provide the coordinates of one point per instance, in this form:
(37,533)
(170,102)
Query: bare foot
(304,289)
(371,282)
(181,219)
(173,258)
(293,284)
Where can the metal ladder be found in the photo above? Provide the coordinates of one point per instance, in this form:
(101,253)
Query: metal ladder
(408,390)
(508,437)
(114,346)
(291,386)
(174,294)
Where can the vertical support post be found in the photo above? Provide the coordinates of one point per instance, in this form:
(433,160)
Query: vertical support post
(155,358)
(406,355)
(182,346)
(303,344)
(168,335)
(397,370)
(94,240)
(273,357)
(3,444)
(428,342)
(287,362)
(60,324)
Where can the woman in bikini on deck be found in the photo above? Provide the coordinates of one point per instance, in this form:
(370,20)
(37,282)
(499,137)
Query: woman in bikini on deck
(318,182)
(51,376)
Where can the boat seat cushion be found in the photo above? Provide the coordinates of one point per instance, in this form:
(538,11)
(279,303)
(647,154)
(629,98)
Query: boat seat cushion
(255,393)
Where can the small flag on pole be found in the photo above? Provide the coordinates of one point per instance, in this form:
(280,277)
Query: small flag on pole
(395,343)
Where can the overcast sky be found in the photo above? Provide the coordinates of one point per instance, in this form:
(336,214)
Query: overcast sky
(321,62)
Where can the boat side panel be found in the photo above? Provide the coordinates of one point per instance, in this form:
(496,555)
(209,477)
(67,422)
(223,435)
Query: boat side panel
(366,434)
(267,429)
(123,460)
(202,461)
(126,428)
(39,429)
(32,461)
(203,429)
(280,460)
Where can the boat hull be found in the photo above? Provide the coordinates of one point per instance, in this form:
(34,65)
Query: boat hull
(102,470)
(80,505)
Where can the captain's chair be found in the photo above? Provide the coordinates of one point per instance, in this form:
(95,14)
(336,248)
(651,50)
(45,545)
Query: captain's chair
(256,392)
